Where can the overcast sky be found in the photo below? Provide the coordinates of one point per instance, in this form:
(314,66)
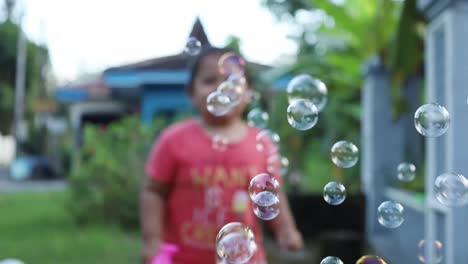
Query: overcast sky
(90,35)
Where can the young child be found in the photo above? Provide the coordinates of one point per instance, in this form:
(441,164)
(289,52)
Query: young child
(193,190)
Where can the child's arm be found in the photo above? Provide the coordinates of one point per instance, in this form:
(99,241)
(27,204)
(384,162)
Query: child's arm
(152,199)
(285,228)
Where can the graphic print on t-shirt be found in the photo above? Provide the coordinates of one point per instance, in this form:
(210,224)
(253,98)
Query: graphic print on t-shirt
(225,198)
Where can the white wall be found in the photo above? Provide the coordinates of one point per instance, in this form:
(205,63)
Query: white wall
(7,150)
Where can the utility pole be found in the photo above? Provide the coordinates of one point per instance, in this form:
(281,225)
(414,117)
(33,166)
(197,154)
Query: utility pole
(20,83)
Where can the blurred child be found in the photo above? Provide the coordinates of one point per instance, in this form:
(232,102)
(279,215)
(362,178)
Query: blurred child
(193,190)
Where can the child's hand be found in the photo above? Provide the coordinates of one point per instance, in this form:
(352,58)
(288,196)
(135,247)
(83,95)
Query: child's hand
(290,239)
(150,249)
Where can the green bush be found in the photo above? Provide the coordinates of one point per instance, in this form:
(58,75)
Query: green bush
(105,183)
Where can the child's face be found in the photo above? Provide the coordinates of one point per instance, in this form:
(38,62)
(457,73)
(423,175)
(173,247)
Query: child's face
(207,81)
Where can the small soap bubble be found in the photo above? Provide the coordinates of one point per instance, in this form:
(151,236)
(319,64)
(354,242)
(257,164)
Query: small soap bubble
(344,154)
(231,64)
(255,97)
(258,118)
(451,189)
(267,141)
(406,171)
(219,143)
(235,243)
(432,120)
(193,46)
(334,193)
(218,104)
(305,86)
(284,166)
(425,245)
(302,114)
(233,92)
(277,165)
(390,214)
(331,260)
(263,182)
(266,205)
(369,259)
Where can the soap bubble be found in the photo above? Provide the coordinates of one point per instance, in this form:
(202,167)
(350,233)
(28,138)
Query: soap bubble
(284,162)
(266,205)
(218,104)
(273,165)
(265,138)
(263,182)
(334,193)
(344,154)
(369,259)
(425,245)
(406,171)
(255,97)
(451,189)
(432,120)
(219,142)
(231,64)
(235,243)
(193,46)
(304,86)
(302,114)
(331,260)
(258,118)
(277,165)
(233,92)
(390,214)
(237,80)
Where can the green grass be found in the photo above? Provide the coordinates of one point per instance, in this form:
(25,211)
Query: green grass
(36,228)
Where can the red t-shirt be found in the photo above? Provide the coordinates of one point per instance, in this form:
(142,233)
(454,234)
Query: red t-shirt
(209,188)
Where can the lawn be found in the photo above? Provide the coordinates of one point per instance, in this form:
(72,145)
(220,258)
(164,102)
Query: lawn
(36,228)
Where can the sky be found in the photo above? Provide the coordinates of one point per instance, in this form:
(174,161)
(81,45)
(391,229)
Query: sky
(86,36)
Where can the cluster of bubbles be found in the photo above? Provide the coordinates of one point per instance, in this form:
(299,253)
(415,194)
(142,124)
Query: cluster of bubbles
(344,154)
(451,189)
(230,92)
(263,191)
(307,97)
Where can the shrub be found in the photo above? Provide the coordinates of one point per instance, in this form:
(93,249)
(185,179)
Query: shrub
(104,185)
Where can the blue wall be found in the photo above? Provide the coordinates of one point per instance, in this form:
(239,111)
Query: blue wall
(135,78)
(162,99)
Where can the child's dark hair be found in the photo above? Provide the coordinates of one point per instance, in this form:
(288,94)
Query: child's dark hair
(195,64)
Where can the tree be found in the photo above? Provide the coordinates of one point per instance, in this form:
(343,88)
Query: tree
(37,59)
(334,42)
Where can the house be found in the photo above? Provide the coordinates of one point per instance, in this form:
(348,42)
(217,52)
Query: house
(156,86)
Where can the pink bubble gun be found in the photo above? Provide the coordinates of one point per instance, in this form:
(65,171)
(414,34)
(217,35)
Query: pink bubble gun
(166,253)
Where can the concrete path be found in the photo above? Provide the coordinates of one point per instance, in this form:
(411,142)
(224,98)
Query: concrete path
(9,185)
